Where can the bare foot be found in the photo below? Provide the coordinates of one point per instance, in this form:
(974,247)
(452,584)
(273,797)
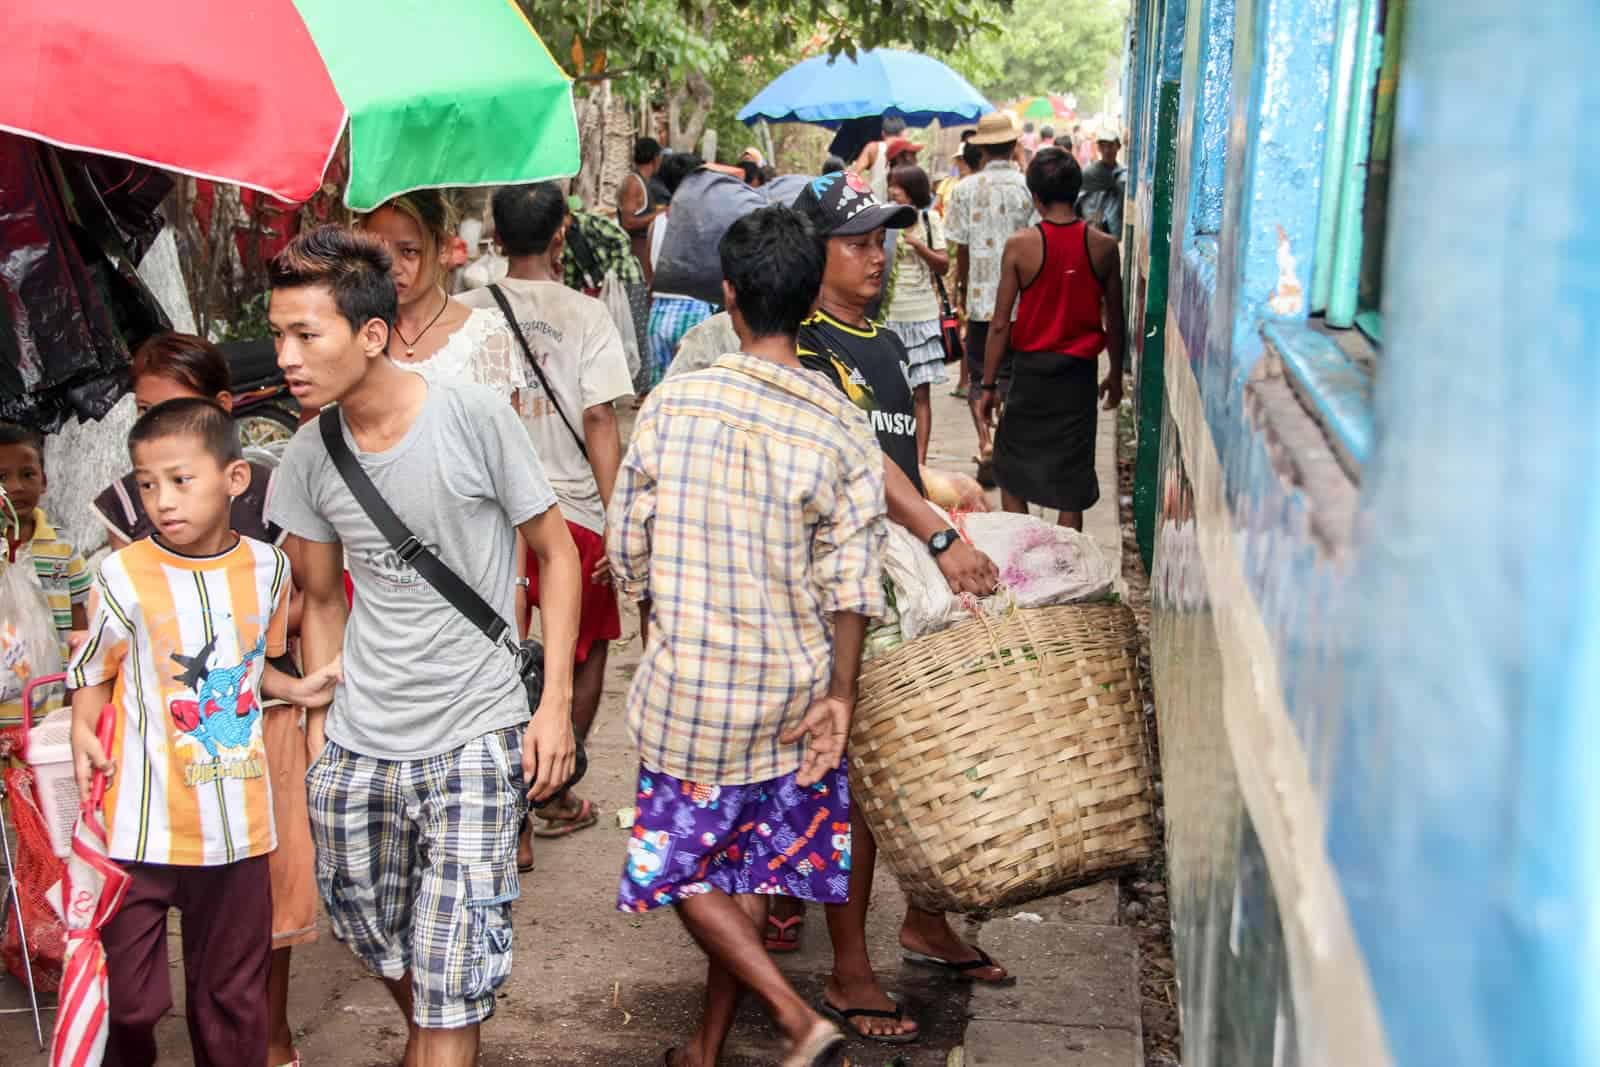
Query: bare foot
(868,995)
(525,848)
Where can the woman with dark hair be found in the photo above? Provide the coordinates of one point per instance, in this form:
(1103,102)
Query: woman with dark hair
(165,367)
(169,366)
(436,336)
(913,310)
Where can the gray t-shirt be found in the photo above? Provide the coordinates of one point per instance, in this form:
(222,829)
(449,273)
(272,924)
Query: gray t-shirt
(419,679)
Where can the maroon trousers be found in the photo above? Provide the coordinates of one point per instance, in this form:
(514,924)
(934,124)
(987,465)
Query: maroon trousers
(227,952)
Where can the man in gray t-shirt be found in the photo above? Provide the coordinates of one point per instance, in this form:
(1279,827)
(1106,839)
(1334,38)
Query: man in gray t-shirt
(420,774)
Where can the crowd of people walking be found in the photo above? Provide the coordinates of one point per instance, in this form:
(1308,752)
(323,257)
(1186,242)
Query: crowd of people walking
(321,676)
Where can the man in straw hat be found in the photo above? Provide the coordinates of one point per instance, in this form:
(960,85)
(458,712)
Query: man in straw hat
(985,209)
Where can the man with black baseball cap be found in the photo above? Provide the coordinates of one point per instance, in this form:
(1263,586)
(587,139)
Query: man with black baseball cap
(868,363)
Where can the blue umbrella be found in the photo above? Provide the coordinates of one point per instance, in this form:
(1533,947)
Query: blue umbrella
(828,91)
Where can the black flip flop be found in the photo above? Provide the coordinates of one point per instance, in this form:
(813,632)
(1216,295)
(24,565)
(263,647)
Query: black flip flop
(961,972)
(842,1016)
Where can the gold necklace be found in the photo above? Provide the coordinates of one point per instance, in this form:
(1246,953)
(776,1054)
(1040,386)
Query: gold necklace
(411,345)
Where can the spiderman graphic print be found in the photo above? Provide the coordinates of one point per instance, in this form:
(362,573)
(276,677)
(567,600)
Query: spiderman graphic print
(182,641)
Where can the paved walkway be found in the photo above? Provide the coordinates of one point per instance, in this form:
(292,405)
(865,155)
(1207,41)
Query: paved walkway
(593,986)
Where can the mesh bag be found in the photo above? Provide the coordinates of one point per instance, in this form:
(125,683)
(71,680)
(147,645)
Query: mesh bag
(37,869)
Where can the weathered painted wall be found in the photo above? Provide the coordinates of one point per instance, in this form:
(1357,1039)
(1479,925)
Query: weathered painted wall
(1375,636)
(1470,824)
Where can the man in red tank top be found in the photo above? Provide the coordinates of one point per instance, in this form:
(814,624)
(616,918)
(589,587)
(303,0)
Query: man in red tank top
(1069,279)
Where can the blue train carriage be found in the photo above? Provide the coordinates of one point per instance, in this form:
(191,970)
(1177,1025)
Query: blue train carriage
(1363,253)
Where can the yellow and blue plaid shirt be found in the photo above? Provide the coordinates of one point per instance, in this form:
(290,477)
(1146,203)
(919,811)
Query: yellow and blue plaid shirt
(748,510)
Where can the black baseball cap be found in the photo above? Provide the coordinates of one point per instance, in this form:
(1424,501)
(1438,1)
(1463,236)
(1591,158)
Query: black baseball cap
(841,205)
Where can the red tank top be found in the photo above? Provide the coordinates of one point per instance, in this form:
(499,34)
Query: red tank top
(1059,311)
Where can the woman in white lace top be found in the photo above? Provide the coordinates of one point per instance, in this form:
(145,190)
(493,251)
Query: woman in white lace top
(440,338)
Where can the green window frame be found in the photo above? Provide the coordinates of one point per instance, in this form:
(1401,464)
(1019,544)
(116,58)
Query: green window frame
(1347,279)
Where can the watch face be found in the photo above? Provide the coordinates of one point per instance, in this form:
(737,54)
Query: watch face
(942,540)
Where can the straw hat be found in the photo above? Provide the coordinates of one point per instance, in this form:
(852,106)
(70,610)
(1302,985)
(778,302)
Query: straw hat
(997,127)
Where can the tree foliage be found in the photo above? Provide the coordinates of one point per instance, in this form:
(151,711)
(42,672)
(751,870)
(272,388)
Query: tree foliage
(1046,46)
(705,58)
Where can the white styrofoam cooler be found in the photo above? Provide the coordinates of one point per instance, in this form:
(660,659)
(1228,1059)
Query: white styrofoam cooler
(50,756)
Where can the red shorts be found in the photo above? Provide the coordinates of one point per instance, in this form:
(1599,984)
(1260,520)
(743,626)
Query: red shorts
(599,618)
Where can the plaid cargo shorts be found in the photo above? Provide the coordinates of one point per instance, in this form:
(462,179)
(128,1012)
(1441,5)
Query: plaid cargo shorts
(417,867)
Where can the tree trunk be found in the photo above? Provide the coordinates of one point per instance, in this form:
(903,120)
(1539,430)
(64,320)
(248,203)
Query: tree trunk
(689,107)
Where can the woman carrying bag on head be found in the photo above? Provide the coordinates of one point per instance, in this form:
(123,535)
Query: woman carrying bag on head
(916,306)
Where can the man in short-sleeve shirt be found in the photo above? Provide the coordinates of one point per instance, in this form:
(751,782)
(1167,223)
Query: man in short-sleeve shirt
(580,356)
(418,777)
(868,364)
(985,210)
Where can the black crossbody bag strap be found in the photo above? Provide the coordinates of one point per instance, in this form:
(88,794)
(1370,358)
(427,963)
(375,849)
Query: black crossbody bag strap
(460,595)
(588,265)
(516,328)
(938,282)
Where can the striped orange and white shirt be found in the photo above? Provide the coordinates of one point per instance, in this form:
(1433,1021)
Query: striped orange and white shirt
(184,640)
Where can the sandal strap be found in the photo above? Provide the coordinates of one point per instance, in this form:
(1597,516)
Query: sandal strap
(983,961)
(898,1014)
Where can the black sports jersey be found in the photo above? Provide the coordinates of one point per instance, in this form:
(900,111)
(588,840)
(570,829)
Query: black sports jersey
(869,367)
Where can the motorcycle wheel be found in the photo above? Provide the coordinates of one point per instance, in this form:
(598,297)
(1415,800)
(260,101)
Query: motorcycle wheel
(266,429)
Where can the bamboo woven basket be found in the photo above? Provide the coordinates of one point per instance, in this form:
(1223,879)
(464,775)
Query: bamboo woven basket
(1005,758)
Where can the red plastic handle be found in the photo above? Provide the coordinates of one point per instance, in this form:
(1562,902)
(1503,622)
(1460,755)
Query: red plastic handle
(106,730)
(27,707)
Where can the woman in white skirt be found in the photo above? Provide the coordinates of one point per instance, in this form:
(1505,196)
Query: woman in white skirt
(912,310)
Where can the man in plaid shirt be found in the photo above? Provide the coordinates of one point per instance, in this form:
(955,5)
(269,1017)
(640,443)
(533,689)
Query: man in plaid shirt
(748,521)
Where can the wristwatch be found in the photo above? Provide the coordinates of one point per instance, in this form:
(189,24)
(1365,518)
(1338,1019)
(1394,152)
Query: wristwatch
(988,387)
(939,542)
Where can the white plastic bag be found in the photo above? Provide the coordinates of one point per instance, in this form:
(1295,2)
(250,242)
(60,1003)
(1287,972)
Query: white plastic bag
(921,594)
(28,644)
(1040,563)
(614,294)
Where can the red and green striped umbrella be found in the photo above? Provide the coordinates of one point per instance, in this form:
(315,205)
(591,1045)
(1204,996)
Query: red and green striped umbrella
(259,92)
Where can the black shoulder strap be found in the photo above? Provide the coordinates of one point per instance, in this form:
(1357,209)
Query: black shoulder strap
(461,596)
(938,280)
(516,328)
(587,263)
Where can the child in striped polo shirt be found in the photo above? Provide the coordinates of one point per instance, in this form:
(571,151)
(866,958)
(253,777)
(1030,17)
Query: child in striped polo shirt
(60,569)
(183,625)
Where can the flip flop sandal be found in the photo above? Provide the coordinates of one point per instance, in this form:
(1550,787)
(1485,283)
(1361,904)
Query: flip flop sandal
(843,1017)
(562,827)
(961,972)
(777,942)
(823,1050)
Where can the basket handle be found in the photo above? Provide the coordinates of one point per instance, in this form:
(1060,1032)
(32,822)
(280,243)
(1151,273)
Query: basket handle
(27,707)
